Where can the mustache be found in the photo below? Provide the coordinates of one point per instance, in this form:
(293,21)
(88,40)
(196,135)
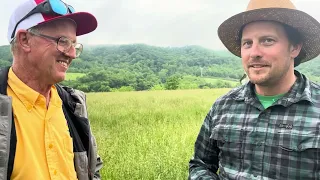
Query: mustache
(258,62)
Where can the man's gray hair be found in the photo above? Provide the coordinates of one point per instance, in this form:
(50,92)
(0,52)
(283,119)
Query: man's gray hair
(13,44)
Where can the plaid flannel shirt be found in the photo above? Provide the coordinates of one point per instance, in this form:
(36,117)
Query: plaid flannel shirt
(246,141)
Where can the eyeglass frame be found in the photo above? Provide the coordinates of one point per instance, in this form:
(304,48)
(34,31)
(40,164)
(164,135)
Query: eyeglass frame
(56,40)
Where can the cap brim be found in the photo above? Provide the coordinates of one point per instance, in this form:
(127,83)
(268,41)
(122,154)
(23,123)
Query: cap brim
(86,22)
(307,26)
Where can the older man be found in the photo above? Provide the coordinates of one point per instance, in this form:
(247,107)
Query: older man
(269,127)
(44,130)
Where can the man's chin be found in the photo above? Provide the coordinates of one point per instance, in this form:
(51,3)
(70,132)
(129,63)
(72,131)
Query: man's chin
(261,80)
(60,78)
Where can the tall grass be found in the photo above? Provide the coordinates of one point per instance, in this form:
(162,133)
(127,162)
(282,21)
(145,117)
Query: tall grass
(148,135)
(233,83)
(74,76)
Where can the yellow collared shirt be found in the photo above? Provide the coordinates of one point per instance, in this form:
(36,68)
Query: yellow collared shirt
(44,147)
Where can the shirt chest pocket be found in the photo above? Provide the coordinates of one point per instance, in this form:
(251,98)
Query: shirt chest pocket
(302,151)
(303,146)
(229,142)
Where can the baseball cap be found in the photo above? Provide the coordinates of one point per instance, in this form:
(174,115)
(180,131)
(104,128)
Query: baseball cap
(44,11)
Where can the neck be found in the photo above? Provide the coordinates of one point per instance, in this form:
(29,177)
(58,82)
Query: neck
(28,77)
(280,87)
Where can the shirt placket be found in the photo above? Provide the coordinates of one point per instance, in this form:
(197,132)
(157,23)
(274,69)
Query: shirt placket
(260,134)
(51,151)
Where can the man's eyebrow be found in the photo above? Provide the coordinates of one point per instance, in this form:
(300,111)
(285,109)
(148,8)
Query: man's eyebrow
(261,37)
(245,39)
(268,36)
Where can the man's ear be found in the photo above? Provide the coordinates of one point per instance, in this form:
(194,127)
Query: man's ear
(295,50)
(23,39)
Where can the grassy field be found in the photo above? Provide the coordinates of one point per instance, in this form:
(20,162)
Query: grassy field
(148,135)
(215,80)
(74,76)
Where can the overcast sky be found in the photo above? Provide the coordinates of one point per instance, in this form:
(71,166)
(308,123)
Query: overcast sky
(156,22)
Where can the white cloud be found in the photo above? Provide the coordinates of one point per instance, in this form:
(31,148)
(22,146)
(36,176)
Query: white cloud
(157,22)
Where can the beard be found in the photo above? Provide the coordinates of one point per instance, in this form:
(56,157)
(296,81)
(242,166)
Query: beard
(268,76)
(259,78)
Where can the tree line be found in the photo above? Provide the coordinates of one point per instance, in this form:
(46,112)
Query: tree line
(142,67)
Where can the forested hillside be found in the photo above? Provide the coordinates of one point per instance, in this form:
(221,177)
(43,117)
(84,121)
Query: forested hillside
(142,67)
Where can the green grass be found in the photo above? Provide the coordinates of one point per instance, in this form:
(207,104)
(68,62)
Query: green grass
(215,80)
(74,76)
(148,135)
(315,79)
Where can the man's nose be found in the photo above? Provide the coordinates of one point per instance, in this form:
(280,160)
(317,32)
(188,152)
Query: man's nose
(255,51)
(71,53)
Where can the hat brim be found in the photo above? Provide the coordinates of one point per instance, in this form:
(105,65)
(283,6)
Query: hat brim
(86,22)
(307,26)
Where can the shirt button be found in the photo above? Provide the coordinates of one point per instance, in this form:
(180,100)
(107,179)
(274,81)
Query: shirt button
(29,108)
(50,146)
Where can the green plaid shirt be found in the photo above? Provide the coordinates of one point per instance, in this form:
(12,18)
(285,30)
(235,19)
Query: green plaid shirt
(246,141)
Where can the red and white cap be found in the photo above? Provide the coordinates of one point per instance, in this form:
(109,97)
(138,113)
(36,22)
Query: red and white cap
(86,22)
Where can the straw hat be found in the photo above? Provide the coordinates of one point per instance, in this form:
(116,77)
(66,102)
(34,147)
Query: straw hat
(282,11)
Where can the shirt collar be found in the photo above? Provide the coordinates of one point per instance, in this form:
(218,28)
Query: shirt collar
(300,91)
(27,95)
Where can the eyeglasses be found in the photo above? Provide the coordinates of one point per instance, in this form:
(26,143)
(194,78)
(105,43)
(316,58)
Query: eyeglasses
(49,7)
(63,43)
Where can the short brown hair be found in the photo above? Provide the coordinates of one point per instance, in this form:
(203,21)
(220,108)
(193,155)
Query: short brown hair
(294,38)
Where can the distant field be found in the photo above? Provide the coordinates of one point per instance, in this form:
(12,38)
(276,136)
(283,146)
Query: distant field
(314,78)
(215,80)
(148,135)
(74,76)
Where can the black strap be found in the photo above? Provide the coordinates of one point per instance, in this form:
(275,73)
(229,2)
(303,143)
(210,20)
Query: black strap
(4,80)
(77,144)
(78,126)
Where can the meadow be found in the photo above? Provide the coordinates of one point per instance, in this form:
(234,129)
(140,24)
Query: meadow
(148,135)
(232,82)
(74,76)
